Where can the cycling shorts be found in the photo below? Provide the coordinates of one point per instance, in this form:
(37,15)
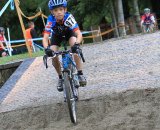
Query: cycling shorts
(57,39)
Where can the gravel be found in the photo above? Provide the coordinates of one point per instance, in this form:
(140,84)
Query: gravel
(122,92)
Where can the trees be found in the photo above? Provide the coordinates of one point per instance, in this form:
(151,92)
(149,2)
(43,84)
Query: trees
(114,20)
(120,17)
(90,12)
(29,7)
(136,14)
(87,13)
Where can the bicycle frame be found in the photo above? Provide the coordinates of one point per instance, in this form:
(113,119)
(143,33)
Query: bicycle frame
(67,60)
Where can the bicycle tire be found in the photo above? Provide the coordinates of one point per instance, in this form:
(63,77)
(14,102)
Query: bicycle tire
(70,98)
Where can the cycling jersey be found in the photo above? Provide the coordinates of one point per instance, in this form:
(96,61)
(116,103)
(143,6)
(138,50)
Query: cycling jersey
(148,19)
(56,28)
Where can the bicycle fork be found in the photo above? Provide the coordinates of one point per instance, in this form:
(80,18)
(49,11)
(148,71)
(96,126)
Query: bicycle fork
(74,88)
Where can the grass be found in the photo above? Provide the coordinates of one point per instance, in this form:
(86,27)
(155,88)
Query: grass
(4,60)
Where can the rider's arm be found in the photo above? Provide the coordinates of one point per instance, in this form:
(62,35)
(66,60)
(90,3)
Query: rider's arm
(45,40)
(47,31)
(142,19)
(153,19)
(142,22)
(73,25)
(79,36)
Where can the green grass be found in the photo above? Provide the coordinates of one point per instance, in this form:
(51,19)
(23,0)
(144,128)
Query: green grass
(4,60)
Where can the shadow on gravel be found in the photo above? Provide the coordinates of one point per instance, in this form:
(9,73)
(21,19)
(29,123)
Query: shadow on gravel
(10,83)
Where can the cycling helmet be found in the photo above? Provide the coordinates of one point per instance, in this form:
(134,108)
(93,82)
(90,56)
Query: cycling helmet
(146,10)
(55,3)
(2,29)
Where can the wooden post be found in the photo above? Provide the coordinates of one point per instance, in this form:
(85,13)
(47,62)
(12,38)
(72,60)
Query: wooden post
(23,27)
(96,32)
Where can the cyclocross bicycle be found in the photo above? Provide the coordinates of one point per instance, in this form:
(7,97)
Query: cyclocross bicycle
(70,78)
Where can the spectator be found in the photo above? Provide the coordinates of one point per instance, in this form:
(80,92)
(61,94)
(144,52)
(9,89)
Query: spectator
(2,40)
(30,34)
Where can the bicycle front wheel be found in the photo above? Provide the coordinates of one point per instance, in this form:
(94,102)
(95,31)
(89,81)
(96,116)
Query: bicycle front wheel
(70,98)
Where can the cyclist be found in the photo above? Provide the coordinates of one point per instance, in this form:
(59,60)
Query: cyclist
(61,23)
(2,40)
(147,20)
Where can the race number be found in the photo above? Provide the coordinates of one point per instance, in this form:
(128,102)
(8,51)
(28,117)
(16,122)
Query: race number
(70,22)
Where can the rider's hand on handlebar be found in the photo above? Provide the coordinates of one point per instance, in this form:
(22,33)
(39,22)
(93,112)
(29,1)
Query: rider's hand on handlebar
(48,51)
(75,47)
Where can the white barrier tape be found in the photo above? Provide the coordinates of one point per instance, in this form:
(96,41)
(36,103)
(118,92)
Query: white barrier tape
(5,7)
(12,4)
(37,39)
(20,41)
(38,46)
(87,32)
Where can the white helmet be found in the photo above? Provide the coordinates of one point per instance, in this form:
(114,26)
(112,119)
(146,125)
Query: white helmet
(146,10)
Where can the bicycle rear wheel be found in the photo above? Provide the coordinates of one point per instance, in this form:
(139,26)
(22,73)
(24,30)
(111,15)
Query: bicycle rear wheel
(70,98)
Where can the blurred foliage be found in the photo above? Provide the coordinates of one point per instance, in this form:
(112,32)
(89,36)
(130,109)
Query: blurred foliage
(86,12)
(90,12)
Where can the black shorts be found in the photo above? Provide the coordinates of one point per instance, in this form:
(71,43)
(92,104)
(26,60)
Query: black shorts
(57,39)
(1,51)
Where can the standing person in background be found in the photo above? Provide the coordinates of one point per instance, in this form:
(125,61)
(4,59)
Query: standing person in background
(2,40)
(30,34)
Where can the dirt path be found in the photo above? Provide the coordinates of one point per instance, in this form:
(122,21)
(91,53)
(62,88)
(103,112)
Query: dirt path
(116,70)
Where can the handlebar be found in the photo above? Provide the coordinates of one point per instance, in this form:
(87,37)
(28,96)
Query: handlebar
(60,52)
(54,54)
(79,51)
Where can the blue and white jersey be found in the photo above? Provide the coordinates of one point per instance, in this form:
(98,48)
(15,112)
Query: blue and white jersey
(69,23)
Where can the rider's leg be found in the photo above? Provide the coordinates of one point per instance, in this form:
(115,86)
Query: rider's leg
(56,63)
(77,59)
(151,27)
(144,28)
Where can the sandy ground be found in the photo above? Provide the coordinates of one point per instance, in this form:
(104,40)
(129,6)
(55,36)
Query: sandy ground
(122,92)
